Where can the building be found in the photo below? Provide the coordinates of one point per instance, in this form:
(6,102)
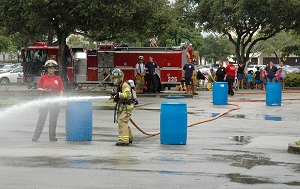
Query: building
(264,58)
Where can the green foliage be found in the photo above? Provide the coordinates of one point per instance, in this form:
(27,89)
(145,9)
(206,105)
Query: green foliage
(242,20)
(292,80)
(216,48)
(127,21)
(298,142)
(181,27)
(6,44)
(277,44)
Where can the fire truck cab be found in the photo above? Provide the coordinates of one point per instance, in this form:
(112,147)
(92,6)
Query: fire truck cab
(34,58)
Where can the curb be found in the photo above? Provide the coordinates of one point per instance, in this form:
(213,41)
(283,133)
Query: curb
(293,148)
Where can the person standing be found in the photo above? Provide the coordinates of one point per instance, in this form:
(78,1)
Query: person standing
(271,72)
(263,77)
(140,73)
(282,74)
(151,69)
(153,41)
(278,74)
(230,75)
(124,106)
(241,75)
(257,79)
(50,85)
(188,71)
(221,72)
(249,79)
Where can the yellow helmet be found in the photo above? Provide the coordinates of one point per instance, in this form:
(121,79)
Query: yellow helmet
(50,63)
(116,76)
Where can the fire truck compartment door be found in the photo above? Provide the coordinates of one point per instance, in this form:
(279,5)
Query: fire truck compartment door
(170,75)
(80,66)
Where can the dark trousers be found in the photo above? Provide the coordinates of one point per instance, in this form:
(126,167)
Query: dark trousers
(43,111)
(230,81)
(151,83)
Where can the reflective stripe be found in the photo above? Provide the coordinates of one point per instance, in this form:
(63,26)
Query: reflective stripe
(124,137)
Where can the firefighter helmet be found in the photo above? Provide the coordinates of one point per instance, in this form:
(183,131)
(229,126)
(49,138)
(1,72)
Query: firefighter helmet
(116,76)
(141,58)
(51,63)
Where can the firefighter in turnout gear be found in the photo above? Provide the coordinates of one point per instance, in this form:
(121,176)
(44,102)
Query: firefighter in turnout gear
(124,106)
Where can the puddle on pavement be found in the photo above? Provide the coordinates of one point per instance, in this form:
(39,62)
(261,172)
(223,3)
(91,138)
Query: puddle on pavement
(65,162)
(253,117)
(243,139)
(246,179)
(293,183)
(244,160)
(243,179)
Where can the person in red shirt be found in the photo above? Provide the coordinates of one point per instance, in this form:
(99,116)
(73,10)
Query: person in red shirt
(50,85)
(230,75)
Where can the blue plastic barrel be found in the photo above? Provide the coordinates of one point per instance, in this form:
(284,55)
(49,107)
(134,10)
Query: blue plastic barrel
(173,123)
(79,120)
(220,93)
(273,94)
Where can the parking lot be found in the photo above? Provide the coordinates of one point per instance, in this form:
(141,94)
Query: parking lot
(246,148)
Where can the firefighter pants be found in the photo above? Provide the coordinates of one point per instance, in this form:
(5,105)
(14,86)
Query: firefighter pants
(43,111)
(125,134)
(140,82)
(151,83)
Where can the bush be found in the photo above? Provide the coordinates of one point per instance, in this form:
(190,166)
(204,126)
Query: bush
(292,80)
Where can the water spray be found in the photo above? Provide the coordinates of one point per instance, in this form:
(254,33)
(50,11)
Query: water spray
(38,102)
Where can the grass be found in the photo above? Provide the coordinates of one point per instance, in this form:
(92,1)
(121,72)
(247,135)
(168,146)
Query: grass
(298,142)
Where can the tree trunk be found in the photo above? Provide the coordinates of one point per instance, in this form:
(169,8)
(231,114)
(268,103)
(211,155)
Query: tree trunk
(62,62)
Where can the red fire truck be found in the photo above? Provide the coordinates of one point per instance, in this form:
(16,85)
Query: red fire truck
(94,65)
(34,58)
(169,59)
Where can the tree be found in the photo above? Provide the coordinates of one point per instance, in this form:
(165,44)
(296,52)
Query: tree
(216,47)
(98,19)
(278,44)
(133,21)
(182,28)
(293,48)
(242,20)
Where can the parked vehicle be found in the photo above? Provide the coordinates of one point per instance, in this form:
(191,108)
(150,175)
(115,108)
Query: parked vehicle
(12,76)
(6,68)
(254,67)
(291,69)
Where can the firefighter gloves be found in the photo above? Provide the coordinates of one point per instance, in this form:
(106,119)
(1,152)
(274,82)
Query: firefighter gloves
(117,97)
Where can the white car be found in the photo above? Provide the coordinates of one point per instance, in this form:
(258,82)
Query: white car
(291,69)
(6,68)
(12,76)
(254,67)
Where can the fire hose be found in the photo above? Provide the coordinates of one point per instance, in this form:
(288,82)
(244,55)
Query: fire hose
(206,120)
(190,125)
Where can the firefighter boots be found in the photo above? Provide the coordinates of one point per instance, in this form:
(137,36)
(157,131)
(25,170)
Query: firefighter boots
(121,144)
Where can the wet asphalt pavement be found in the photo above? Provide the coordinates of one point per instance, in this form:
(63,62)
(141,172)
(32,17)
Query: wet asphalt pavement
(246,148)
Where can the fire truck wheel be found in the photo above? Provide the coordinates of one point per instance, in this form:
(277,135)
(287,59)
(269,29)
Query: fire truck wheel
(4,80)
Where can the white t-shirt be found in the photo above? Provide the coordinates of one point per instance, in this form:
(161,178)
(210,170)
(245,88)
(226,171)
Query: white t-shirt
(152,42)
(140,67)
(205,71)
(283,71)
